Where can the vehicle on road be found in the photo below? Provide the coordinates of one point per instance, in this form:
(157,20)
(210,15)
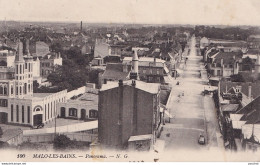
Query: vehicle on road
(201,139)
(38,126)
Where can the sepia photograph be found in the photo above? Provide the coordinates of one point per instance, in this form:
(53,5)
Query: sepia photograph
(129,81)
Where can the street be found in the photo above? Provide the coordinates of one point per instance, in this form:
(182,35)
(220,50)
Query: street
(193,114)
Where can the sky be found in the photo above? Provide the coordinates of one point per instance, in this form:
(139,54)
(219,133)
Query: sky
(214,12)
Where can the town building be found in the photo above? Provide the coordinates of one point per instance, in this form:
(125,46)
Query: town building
(239,113)
(49,62)
(223,64)
(126,109)
(81,104)
(253,41)
(152,70)
(19,105)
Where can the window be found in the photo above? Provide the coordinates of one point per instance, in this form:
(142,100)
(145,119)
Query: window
(230,66)
(1,90)
(37,109)
(17,113)
(12,90)
(28,114)
(218,72)
(22,114)
(12,112)
(20,69)
(25,65)
(16,92)
(5,90)
(51,109)
(73,112)
(158,71)
(3,103)
(16,69)
(20,90)
(93,113)
(48,110)
(25,88)
(45,112)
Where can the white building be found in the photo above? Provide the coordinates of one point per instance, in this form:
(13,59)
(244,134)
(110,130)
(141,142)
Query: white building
(18,103)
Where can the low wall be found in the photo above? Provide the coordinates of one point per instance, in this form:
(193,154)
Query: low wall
(63,129)
(86,137)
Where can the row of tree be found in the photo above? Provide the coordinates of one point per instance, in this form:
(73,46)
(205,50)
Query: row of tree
(228,33)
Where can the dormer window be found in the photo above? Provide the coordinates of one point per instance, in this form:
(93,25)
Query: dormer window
(238,89)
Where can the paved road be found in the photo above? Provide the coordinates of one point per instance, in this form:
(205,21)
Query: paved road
(194,114)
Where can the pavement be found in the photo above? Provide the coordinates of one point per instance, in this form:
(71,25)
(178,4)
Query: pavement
(193,114)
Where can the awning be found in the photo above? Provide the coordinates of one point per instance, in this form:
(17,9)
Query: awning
(167,79)
(168,114)
(179,71)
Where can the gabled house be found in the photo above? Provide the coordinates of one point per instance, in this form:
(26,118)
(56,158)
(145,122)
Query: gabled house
(224,64)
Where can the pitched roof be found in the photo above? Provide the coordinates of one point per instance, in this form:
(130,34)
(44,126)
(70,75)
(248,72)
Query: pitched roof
(228,57)
(152,88)
(255,87)
(115,71)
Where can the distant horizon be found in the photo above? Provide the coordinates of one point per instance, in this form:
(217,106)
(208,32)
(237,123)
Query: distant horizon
(151,12)
(127,23)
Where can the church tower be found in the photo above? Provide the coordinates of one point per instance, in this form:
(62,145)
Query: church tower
(23,73)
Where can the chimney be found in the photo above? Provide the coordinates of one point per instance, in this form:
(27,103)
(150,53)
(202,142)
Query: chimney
(120,83)
(81,26)
(250,91)
(221,62)
(134,73)
(257,64)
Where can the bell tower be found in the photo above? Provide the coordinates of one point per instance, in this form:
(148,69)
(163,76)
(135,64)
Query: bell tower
(19,71)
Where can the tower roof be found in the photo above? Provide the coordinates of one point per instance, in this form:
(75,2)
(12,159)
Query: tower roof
(19,54)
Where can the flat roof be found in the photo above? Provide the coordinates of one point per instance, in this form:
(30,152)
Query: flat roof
(140,137)
(86,99)
(41,95)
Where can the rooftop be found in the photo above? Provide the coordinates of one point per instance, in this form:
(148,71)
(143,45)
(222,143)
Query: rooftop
(140,137)
(41,95)
(148,87)
(116,71)
(89,99)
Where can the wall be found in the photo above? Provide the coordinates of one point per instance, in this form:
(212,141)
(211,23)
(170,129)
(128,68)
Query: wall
(36,68)
(108,119)
(118,119)
(63,129)
(86,137)
(101,50)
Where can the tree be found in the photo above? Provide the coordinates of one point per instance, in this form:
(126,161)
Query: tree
(237,78)
(32,146)
(247,64)
(69,76)
(61,142)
